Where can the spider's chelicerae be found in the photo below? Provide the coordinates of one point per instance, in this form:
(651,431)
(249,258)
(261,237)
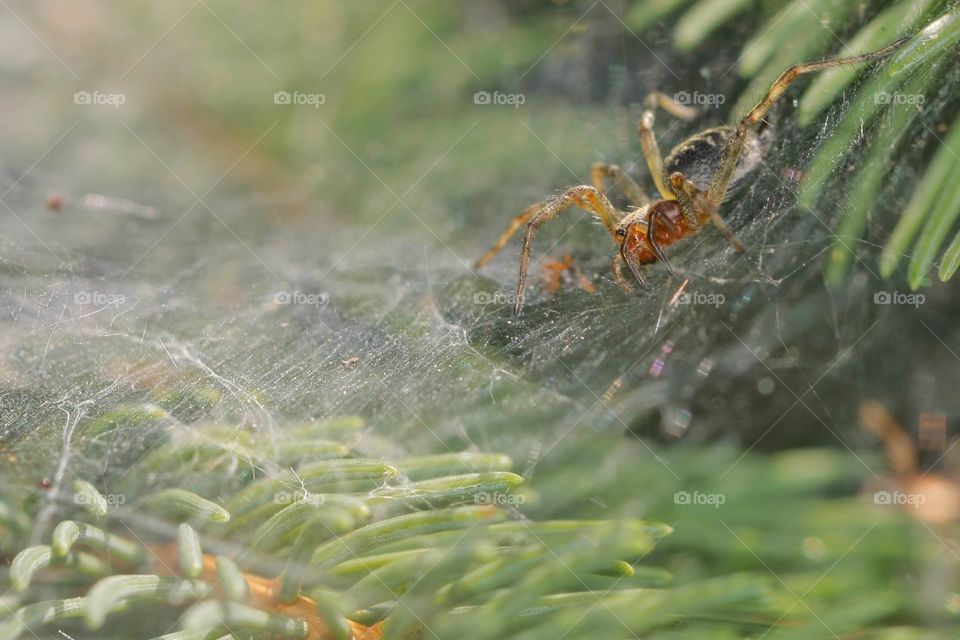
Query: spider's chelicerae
(692,182)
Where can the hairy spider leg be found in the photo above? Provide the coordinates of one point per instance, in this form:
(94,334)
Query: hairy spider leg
(633,262)
(616,266)
(721,180)
(522,219)
(651,151)
(587,198)
(654,220)
(601,171)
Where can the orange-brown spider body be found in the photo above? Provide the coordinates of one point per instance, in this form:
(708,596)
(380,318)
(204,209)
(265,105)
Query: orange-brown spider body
(693,181)
(636,241)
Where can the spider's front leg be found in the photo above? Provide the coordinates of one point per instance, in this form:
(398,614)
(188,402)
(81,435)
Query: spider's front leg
(721,179)
(515,224)
(616,266)
(587,198)
(651,151)
(656,219)
(629,258)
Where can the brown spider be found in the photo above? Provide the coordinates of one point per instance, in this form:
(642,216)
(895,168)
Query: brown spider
(693,181)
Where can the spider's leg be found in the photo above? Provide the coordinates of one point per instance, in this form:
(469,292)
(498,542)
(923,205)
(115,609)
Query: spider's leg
(617,268)
(601,171)
(721,180)
(651,151)
(517,222)
(695,202)
(583,196)
(703,203)
(635,268)
(652,221)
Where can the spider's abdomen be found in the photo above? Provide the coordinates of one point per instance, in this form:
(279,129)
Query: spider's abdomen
(698,157)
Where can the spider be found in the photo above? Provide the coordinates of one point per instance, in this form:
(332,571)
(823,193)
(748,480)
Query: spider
(692,182)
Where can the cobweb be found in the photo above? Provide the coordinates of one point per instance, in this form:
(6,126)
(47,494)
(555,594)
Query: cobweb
(115,301)
(267,328)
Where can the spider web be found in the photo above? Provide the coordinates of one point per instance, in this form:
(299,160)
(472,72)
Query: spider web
(226,316)
(428,353)
(117,300)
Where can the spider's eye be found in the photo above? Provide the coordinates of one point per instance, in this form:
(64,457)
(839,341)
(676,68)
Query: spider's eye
(621,232)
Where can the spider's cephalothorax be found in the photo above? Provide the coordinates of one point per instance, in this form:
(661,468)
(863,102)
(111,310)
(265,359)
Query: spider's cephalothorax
(692,182)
